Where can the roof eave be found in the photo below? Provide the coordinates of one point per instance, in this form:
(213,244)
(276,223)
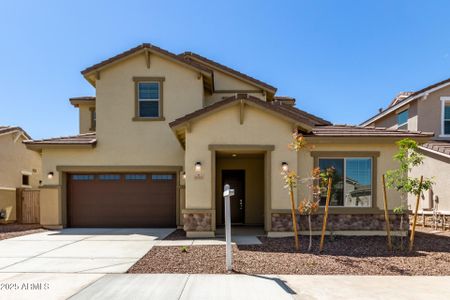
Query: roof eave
(39,146)
(76,102)
(359,139)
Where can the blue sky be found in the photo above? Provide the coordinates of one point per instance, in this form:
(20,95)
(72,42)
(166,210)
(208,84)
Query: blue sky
(342,60)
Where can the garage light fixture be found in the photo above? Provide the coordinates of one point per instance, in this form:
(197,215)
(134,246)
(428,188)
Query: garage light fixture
(284,166)
(183,175)
(50,175)
(198,166)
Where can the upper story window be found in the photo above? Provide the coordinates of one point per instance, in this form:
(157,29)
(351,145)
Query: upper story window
(93,119)
(149,98)
(402,119)
(445,116)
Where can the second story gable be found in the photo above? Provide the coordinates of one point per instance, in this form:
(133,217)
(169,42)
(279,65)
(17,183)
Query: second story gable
(147,83)
(425,110)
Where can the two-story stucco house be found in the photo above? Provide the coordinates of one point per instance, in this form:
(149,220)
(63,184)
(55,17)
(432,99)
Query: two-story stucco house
(426,110)
(165,132)
(20,168)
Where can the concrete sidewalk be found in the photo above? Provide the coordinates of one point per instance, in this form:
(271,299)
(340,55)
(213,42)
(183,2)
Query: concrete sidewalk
(209,287)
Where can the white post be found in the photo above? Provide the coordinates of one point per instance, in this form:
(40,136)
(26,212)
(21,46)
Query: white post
(227,193)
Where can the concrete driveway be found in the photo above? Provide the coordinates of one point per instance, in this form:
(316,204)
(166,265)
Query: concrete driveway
(78,250)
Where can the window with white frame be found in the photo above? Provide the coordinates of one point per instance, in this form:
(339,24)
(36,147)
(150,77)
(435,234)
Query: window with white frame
(402,119)
(149,99)
(351,182)
(445,116)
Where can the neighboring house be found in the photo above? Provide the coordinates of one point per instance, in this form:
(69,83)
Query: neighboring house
(19,168)
(425,110)
(165,132)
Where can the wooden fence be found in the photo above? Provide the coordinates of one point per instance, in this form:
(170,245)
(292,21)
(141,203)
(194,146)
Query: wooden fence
(28,208)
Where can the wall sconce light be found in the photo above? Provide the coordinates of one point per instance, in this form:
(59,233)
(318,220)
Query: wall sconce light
(50,175)
(284,166)
(198,166)
(183,175)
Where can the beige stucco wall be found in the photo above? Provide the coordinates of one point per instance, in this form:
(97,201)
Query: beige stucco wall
(8,203)
(224,82)
(223,127)
(430,110)
(15,158)
(50,207)
(437,168)
(254,186)
(384,163)
(85,117)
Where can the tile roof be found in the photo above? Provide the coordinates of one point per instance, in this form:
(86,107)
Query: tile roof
(189,55)
(7,129)
(81,139)
(283,109)
(139,48)
(443,147)
(360,131)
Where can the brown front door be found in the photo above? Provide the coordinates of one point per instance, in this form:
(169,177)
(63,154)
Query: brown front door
(236,180)
(122,200)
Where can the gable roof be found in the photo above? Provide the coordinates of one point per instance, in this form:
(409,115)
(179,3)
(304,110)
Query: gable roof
(11,129)
(80,140)
(283,110)
(408,99)
(146,47)
(190,56)
(360,131)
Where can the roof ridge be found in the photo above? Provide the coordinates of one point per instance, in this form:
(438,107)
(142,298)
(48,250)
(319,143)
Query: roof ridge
(137,49)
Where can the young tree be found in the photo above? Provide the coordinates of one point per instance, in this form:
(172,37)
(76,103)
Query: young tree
(310,206)
(398,179)
(290,181)
(319,179)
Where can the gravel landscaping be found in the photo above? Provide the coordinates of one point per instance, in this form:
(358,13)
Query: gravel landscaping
(8,231)
(342,255)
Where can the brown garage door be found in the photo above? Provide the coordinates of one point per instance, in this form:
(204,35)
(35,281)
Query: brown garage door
(122,200)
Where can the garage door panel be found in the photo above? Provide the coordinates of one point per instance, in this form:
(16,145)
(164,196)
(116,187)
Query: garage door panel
(122,203)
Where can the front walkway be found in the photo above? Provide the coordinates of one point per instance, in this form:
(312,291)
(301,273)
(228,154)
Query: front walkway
(198,287)
(78,250)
